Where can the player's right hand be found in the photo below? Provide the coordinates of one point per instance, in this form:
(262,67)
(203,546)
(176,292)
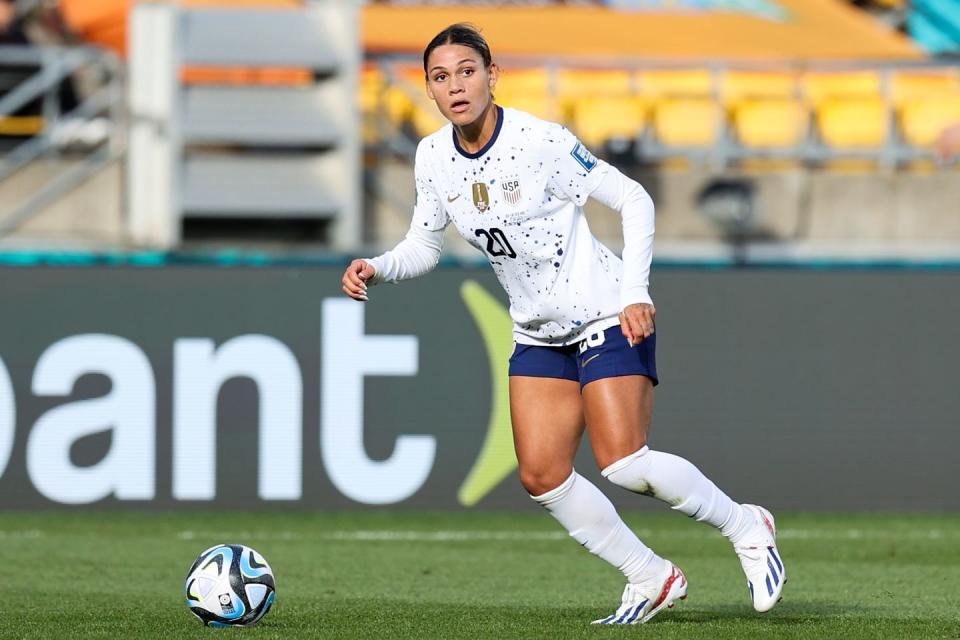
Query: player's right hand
(355,279)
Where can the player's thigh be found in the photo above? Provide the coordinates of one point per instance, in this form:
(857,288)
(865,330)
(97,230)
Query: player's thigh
(547,416)
(618,411)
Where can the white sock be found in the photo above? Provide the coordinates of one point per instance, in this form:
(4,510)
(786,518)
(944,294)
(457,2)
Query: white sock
(681,485)
(592,521)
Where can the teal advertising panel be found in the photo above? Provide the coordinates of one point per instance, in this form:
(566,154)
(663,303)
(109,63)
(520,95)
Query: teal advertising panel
(206,386)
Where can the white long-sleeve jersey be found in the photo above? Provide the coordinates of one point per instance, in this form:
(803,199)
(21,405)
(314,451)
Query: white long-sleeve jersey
(519,200)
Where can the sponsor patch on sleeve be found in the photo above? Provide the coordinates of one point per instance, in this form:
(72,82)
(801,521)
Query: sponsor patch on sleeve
(586,159)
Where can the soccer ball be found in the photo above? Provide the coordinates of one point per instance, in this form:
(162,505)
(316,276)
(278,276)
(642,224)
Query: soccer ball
(230,585)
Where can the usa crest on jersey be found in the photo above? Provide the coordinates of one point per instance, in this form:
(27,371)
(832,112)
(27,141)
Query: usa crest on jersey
(511,190)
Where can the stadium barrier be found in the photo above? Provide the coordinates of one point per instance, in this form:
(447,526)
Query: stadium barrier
(191,385)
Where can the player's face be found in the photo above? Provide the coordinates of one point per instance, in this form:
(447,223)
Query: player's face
(459,83)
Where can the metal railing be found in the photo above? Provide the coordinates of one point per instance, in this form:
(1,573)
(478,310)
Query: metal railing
(54,66)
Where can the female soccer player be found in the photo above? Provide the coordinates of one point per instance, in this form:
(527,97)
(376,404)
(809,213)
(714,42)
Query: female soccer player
(583,321)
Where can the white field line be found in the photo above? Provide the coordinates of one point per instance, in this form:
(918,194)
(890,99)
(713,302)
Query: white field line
(392,535)
(26,534)
(389,535)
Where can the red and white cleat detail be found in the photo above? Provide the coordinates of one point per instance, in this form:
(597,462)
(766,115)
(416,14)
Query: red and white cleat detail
(640,602)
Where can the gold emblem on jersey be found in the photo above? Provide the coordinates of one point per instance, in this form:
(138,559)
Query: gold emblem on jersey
(511,190)
(481,198)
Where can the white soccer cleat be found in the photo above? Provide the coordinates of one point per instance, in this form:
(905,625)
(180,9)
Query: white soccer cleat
(761,561)
(641,602)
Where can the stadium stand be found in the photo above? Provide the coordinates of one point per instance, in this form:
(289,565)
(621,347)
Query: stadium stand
(924,83)
(817,82)
(718,109)
(604,119)
(767,124)
(677,108)
(528,89)
(922,120)
(853,123)
(601,105)
(687,122)
(820,87)
(580,83)
(738,85)
(657,84)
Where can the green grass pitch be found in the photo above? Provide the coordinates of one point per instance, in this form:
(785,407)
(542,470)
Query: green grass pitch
(382,574)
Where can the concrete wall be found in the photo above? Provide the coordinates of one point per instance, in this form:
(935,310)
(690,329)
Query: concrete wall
(838,212)
(842,211)
(90,215)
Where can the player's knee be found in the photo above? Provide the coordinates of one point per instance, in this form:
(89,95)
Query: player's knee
(611,457)
(538,481)
(627,470)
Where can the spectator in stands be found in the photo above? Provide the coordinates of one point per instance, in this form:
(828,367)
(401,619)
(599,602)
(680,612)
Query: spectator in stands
(13,33)
(43,25)
(11,27)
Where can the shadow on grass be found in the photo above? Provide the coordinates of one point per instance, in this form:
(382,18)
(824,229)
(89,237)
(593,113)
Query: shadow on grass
(784,613)
(448,620)
(319,617)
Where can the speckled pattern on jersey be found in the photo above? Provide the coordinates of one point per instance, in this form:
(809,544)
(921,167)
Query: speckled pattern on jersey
(519,200)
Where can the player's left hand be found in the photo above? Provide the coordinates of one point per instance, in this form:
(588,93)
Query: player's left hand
(636,322)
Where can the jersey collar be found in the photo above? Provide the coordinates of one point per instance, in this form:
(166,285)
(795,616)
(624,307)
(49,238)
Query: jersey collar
(486,147)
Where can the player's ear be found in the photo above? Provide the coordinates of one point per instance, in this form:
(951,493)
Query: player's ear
(430,91)
(493,74)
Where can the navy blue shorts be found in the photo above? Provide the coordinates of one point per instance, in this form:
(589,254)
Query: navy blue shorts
(600,355)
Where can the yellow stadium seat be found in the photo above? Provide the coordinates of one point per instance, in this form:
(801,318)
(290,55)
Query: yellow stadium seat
(578,84)
(741,85)
(540,105)
(593,83)
(532,81)
(372,85)
(599,119)
(923,119)
(859,122)
(402,91)
(924,83)
(686,122)
(823,86)
(527,90)
(666,83)
(398,103)
(426,119)
(770,123)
